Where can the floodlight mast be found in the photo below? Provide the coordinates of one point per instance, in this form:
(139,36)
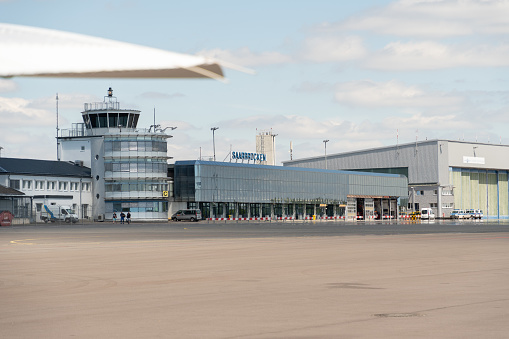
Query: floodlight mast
(213,129)
(325,143)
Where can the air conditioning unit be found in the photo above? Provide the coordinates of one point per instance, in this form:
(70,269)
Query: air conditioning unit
(100,217)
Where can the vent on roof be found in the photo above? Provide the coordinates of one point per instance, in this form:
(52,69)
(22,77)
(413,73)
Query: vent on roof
(78,163)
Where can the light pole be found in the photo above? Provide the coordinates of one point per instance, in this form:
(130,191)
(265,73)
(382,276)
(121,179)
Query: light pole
(325,143)
(213,129)
(274,147)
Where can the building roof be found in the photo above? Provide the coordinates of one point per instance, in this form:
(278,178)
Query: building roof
(5,191)
(390,147)
(282,168)
(42,167)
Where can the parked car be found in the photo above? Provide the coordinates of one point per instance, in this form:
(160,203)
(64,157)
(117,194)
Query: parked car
(191,215)
(427,213)
(459,214)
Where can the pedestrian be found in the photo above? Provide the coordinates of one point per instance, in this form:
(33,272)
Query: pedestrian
(128,217)
(114,217)
(122,216)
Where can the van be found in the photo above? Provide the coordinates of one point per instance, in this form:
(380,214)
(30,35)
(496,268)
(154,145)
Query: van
(475,214)
(459,214)
(427,213)
(191,215)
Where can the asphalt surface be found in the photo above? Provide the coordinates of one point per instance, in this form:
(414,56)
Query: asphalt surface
(253,229)
(255,280)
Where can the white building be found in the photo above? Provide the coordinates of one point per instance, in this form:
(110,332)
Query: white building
(49,183)
(265,144)
(128,164)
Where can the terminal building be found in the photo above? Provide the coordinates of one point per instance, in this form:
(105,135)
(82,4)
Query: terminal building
(442,174)
(236,190)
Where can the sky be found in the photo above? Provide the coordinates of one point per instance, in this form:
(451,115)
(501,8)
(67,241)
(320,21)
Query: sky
(361,74)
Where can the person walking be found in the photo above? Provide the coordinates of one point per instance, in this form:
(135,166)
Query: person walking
(114,217)
(128,217)
(122,217)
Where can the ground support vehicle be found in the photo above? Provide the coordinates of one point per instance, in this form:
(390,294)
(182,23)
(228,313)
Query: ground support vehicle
(55,213)
(427,213)
(459,214)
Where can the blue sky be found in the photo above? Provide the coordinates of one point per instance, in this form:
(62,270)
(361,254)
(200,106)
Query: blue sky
(357,73)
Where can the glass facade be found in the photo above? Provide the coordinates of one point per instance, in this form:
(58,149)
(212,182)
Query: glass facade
(136,174)
(260,191)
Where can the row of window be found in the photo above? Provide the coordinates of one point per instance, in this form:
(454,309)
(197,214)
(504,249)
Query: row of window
(136,186)
(435,192)
(432,205)
(137,207)
(137,167)
(41,185)
(135,145)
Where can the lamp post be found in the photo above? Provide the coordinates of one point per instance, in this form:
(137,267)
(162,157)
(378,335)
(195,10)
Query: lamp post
(274,147)
(213,129)
(325,143)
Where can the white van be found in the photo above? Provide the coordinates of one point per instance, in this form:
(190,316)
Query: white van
(427,213)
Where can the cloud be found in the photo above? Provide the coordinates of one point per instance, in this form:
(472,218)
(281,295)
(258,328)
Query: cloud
(333,49)
(431,18)
(245,57)
(428,55)
(391,94)
(7,85)
(16,112)
(160,95)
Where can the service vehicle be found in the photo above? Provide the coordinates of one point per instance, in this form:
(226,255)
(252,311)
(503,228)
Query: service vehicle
(58,213)
(427,213)
(459,214)
(475,214)
(191,215)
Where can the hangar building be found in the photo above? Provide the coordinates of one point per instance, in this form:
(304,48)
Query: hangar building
(442,174)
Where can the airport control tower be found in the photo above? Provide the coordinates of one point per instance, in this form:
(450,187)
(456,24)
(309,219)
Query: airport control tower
(128,164)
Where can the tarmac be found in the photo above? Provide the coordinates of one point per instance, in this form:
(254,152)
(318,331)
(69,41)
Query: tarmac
(376,286)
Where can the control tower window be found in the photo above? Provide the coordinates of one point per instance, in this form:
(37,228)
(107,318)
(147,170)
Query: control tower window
(113,119)
(94,120)
(135,120)
(103,120)
(131,116)
(122,119)
(86,120)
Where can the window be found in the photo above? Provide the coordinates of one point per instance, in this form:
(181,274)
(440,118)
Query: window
(435,192)
(82,148)
(433,205)
(85,186)
(62,186)
(14,184)
(51,185)
(447,205)
(27,184)
(39,185)
(38,207)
